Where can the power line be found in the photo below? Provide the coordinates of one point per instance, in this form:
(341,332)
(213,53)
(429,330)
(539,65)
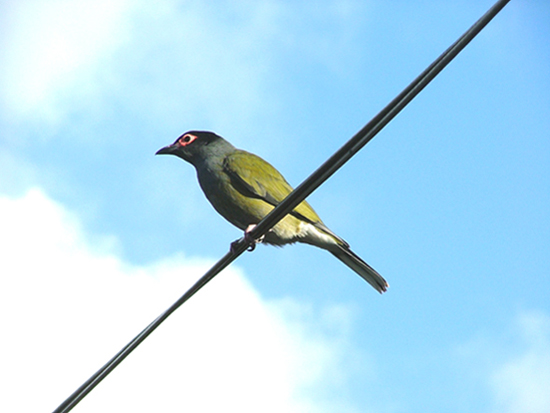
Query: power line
(336,161)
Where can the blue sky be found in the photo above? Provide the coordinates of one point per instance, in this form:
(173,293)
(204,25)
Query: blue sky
(450,203)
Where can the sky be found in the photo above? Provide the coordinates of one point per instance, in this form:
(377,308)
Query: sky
(450,203)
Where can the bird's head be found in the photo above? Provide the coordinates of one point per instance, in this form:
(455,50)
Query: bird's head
(196,146)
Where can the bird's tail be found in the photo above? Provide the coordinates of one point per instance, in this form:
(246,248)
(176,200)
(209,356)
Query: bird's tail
(352,260)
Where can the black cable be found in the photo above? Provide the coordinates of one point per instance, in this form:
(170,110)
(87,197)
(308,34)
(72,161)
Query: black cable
(238,248)
(336,161)
(368,132)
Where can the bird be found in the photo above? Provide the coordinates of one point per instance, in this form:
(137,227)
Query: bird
(243,188)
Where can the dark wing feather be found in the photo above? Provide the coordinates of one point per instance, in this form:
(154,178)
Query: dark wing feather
(254,177)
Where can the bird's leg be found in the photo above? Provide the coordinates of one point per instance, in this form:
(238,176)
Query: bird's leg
(249,240)
(252,242)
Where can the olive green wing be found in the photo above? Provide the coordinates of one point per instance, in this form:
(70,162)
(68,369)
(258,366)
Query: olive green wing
(254,177)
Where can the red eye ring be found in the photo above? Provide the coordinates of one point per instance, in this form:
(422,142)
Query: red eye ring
(186,139)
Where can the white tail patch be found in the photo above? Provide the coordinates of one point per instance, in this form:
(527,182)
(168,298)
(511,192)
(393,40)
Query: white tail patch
(314,236)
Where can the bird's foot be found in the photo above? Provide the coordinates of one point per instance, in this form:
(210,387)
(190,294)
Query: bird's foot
(248,239)
(251,241)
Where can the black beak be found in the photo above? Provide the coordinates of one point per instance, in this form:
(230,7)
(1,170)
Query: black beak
(167,150)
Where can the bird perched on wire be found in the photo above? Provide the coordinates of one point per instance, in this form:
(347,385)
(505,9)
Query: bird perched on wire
(244,188)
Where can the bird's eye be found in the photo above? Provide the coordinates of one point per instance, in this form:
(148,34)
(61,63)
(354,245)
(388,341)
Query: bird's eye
(186,139)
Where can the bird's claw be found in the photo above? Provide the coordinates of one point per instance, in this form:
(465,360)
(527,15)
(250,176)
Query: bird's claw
(248,240)
(251,241)
(233,246)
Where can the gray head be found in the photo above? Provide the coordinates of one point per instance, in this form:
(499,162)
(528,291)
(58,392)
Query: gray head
(196,146)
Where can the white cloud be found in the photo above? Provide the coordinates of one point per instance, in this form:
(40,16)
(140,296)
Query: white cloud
(52,48)
(217,64)
(522,383)
(163,58)
(511,370)
(69,304)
